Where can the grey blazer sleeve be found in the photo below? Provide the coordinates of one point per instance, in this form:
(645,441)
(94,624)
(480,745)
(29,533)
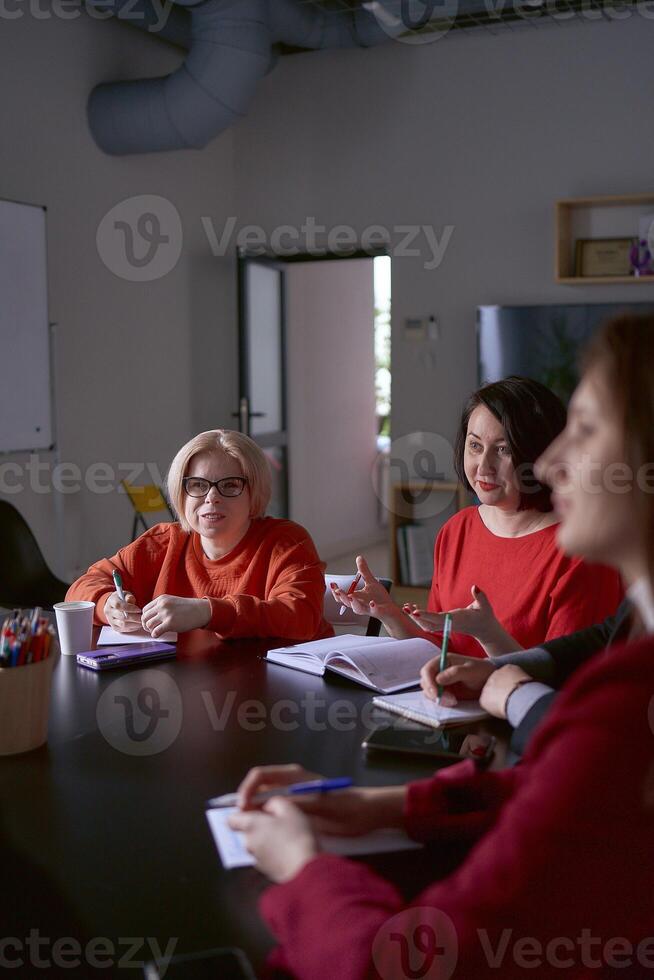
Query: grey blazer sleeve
(555,661)
(530,722)
(536,662)
(566,654)
(570,652)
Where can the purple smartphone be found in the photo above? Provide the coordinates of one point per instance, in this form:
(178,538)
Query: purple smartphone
(129,655)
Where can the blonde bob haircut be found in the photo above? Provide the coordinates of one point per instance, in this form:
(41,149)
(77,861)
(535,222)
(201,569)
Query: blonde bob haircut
(248,455)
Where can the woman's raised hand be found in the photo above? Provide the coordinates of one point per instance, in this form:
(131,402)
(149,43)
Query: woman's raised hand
(477,619)
(370,590)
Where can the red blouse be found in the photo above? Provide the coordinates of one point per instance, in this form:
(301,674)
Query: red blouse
(536,591)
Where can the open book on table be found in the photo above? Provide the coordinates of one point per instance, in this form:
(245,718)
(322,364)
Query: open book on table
(378,662)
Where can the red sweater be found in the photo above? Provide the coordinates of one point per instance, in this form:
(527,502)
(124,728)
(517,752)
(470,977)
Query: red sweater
(562,857)
(270,584)
(537,593)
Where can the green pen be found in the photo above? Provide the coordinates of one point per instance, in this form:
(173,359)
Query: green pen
(118,582)
(447,629)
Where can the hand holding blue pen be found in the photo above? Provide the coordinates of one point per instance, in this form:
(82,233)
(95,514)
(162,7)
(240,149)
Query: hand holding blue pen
(295,789)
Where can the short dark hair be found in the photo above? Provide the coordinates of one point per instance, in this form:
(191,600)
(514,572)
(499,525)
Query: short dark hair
(532,416)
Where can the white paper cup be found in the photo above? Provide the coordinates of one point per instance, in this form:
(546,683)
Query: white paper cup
(74,626)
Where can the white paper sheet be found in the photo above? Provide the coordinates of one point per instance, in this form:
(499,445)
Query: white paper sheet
(109,637)
(233,853)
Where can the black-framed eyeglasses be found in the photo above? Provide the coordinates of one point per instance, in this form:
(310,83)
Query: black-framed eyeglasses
(229,486)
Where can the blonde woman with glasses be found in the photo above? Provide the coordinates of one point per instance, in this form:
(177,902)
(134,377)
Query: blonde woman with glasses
(223,566)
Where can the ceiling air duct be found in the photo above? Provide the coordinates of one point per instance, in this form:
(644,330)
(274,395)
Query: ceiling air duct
(231,47)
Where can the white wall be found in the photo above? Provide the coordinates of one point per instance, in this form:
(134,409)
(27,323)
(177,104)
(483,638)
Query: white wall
(476,131)
(140,367)
(331,402)
(481,132)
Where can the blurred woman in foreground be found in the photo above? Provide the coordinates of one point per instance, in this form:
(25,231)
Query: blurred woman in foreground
(559,878)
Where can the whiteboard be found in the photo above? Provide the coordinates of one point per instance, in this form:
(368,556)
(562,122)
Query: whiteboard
(25,383)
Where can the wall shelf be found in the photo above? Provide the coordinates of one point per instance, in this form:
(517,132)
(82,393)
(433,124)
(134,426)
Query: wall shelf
(612,216)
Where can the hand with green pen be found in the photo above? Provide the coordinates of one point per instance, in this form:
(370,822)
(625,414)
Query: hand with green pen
(120,609)
(463,677)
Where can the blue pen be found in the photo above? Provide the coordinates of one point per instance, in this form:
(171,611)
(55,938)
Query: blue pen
(5,653)
(295,789)
(15,653)
(34,623)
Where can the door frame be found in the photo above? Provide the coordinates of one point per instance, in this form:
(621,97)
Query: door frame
(273,260)
(279,438)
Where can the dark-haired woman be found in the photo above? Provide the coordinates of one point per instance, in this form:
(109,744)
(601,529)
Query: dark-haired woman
(497,566)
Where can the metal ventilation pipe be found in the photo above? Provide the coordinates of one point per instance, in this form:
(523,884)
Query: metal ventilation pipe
(231,49)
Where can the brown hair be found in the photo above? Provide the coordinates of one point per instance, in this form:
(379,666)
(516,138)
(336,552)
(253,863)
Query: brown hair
(623,352)
(532,416)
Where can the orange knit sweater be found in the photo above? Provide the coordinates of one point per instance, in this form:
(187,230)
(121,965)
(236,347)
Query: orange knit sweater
(270,584)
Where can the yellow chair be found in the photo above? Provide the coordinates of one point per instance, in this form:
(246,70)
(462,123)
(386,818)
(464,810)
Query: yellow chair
(145,500)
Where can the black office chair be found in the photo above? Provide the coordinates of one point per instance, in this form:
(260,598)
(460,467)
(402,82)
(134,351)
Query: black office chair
(25,579)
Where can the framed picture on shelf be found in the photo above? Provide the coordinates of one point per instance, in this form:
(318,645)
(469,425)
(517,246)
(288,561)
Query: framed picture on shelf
(603,257)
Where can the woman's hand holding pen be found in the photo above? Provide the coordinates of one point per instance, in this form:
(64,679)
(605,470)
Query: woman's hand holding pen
(373,599)
(371,591)
(279,836)
(282,835)
(123,615)
(348,812)
(469,674)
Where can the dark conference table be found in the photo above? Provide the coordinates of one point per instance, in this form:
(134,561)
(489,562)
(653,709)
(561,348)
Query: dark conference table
(112,808)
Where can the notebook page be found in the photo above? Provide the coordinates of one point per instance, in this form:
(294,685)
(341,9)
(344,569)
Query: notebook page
(321,649)
(416,706)
(233,853)
(394,665)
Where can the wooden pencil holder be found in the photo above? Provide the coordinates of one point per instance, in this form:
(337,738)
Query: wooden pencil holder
(25,704)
